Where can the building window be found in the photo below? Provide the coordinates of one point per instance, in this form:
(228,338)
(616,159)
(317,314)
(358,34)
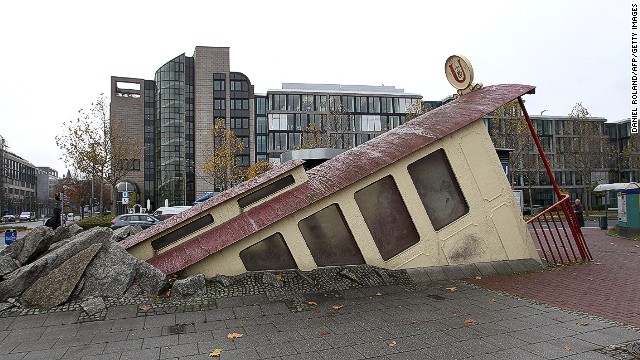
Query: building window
(329,238)
(277,121)
(218,85)
(387,217)
(218,104)
(239,123)
(261,125)
(438,189)
(271,253)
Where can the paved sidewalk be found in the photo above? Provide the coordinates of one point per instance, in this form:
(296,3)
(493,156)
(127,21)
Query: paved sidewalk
(388,322)
(608,287)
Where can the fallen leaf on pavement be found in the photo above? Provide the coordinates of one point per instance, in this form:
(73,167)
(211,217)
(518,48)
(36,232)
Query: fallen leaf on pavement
(470,321)
(379,294)
(478,277)
(234,335)
(324,333)
(337,307)
(452,289)
(493,300)
(582,324)
(558,318)
(145,307)
(567,348)
(215,353)
(393,343)
(312,303)
(279,277)
(454,311)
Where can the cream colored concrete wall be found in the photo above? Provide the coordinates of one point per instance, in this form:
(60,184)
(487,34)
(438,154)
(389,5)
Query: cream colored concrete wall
(492,229)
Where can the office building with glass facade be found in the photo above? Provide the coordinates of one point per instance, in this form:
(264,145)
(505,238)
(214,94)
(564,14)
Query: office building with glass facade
(173,115)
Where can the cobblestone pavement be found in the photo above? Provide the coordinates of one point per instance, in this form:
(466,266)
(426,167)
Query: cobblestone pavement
(608,287)
(444,320)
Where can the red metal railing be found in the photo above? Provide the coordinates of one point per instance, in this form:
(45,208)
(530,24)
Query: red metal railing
(553,235)
(556,246)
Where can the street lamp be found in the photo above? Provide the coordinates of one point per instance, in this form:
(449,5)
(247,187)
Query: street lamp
(542,112)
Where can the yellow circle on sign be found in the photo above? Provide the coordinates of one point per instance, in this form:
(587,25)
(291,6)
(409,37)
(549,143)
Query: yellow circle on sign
(459,71)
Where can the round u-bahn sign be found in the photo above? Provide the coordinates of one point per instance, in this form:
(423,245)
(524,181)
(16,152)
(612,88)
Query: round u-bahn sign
(459,71)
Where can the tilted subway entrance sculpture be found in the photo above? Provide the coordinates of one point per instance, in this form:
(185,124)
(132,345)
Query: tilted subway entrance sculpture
(429,192)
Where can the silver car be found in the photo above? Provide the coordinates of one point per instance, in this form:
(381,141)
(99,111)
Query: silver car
(143,220)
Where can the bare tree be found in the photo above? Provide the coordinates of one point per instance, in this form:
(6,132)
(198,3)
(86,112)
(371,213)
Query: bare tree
(92,145)
(588,151)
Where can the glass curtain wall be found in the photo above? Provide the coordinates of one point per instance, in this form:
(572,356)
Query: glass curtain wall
(170,132)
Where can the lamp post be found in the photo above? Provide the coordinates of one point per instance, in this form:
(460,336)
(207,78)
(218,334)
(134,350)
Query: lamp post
(542,112)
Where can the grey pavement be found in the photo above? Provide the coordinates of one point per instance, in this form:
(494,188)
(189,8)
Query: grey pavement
(439,320)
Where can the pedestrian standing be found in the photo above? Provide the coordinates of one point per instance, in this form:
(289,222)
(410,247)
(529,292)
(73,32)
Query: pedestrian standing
(579,210)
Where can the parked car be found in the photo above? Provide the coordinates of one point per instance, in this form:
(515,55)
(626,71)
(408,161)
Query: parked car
(27,216)
(166,212)
(9,218)
(144,220)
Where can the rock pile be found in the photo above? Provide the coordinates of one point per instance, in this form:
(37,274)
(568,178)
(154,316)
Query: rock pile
(47,268)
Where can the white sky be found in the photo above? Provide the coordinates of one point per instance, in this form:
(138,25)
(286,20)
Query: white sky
(57,56)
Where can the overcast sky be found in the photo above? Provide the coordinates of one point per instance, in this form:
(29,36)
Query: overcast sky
(58,56)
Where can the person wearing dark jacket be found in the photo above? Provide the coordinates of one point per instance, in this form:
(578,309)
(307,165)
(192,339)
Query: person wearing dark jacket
(579,209)
(54,221)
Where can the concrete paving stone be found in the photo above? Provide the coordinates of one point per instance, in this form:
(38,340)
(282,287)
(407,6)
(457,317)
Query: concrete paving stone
(309,345)
(592,355)
(78,340)
(3,334)
(477,346)
(447,351)
(532,264)
(247,311)
(376,348)
(23,335)
(504,341)
(556,330)
(205,347)
(527,310)
(488,329)
(252,341)
(96,327)
(576,345)
(540,320)
(124,345)
(515,324)
(19,356)
(154,321)
(486,269)
(469,270)
(195,337)
(134,323)
(584,325)
(122,312)
(224,303)
(190,317)
(306,356)
(159,341)
(79,352)
(419,275)
(111,356)
(439,338)
(28,322)
(516,354)
(145,354)
(240,354)
(341,353)
(465,333)
(6,348)
(144,333)
(599,338)
(436,273)
(34,345)
(314,332)
(274,308)
(518,266)
(60,331)
(179,328)
(254,299)
(5,322)
(531,336)
(175,351)
(62,318)
(260,329)
(453,272)
(50,354)
(219,314)
(275,350)
(284,336)
(622,333)
(502,267)
(548,350)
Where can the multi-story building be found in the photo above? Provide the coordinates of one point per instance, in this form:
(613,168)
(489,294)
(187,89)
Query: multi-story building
(47,179)
(173,115)
(344,116)
(19,184)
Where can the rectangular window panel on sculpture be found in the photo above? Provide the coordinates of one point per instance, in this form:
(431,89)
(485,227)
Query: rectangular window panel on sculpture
(438,189)
(329,238)
(387,217)
(271,253)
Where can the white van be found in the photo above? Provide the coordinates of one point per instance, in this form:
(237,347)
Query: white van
(166,212)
